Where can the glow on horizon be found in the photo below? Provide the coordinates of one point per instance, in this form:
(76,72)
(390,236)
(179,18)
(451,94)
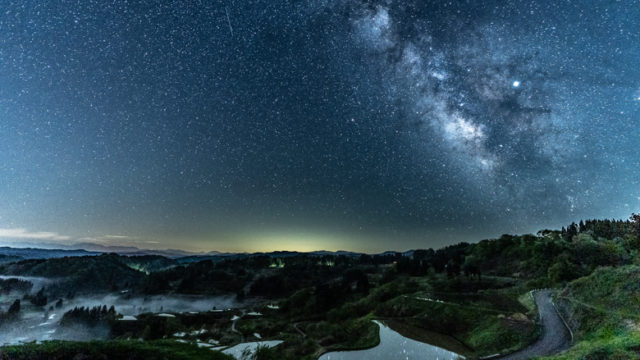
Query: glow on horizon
(301,241)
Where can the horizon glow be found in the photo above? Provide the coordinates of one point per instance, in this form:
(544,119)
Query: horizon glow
(314,126)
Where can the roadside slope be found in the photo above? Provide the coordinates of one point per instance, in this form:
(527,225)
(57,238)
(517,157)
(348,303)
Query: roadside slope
(603,309)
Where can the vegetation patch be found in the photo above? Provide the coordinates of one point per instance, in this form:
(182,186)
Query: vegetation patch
(110,350)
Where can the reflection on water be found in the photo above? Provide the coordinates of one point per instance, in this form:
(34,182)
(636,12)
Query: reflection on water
(394,346)
(245,350)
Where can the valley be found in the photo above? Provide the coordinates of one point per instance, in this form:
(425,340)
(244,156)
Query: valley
(474,300)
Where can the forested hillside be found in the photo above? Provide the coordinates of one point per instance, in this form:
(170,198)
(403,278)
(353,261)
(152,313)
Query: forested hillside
(475,296)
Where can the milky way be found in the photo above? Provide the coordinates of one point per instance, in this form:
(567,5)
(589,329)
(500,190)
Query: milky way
(329,124)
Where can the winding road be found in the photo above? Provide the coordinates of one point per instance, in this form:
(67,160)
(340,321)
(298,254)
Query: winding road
(555,335)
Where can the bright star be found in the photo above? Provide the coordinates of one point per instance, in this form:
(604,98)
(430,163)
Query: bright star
(516,84)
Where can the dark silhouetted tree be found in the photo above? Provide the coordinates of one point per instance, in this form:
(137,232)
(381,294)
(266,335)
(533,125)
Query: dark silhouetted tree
(635,224)
(14,309)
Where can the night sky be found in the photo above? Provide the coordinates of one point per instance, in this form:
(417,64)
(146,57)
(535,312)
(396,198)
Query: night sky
(320,124)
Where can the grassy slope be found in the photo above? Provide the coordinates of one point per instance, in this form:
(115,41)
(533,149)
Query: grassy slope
(110,350)
(604,310)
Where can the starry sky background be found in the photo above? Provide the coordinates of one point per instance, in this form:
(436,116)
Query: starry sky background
(321,124)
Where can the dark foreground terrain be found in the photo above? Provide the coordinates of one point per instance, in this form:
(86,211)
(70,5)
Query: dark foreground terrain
(472,299)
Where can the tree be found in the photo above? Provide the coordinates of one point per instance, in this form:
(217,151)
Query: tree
(471,266)
(422,255)
(88,316)
(146,333)
(453,268)
(582,226)
(563,270)
(572,231)
(14,309)
(635,224)
(39,299)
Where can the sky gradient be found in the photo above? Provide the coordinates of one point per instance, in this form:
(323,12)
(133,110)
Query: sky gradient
(307,125)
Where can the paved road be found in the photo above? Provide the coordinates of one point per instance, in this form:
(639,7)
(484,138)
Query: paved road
(555,336)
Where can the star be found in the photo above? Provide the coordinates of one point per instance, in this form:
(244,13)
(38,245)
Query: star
(233,120)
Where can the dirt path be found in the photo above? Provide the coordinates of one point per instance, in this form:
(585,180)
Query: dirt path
(555,335)
(233,324)
(302,333)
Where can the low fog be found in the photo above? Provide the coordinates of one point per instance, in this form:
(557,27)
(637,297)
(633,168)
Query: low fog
(42,323)
(133,305)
